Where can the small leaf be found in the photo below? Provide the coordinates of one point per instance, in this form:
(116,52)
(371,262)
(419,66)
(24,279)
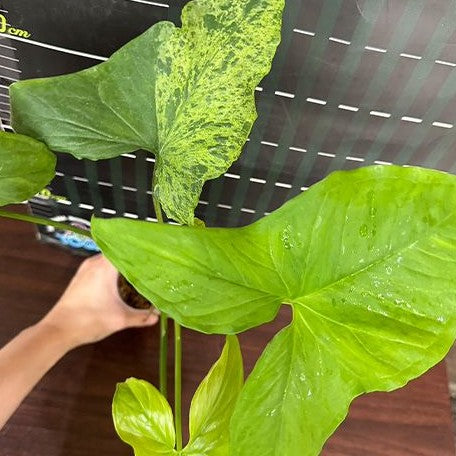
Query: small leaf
(366,259)
(26,166)
(143,418)
(185,94)
(214,402)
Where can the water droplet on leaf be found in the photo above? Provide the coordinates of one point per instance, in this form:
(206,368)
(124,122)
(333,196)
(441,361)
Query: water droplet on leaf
(286,237)
(363,230)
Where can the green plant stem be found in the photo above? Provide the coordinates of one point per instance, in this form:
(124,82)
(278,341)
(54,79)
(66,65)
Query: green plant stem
(164,350)
(178,384)
(164,355)
(43,221)
(163,360)
(158,211)
(157,206)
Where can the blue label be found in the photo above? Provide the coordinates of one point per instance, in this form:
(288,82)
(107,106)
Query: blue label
(75,241)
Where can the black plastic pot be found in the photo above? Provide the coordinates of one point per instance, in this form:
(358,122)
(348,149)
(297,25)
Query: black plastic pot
(130,296)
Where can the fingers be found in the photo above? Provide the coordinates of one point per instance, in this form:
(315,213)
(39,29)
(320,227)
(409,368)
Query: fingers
(99,261)
(104,262)
(140,318)
(100,265)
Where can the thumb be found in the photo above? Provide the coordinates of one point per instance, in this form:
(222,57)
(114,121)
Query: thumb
(141,318)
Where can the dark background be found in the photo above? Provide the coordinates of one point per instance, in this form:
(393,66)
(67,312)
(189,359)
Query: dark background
(390,56)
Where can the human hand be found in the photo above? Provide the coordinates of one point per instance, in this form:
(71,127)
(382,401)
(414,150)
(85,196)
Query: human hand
(91,309)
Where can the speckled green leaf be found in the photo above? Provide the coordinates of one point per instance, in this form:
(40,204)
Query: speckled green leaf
(366,259)
(26,167)
(143,418)
(213,404)
(185,94)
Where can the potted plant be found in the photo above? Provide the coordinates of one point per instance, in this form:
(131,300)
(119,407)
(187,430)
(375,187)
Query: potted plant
(365,259)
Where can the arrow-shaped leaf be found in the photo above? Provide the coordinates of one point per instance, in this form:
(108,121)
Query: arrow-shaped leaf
(367,260)
(185,94)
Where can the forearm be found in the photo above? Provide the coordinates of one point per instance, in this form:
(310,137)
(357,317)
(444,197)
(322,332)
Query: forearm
(89,310)
(24,361)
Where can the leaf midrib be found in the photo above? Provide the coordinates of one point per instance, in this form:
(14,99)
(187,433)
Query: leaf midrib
(295,300)
(190,93)
(291,328)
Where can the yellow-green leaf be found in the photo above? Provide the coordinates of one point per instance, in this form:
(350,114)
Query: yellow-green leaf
(367,261)
(213,404)
(143,418)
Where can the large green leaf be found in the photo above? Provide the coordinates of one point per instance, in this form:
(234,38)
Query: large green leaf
(143,418)
(213,404)
(26,166)
(367,260)
(185,94)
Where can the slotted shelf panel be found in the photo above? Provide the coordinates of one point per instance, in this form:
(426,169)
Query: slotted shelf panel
(354,83)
